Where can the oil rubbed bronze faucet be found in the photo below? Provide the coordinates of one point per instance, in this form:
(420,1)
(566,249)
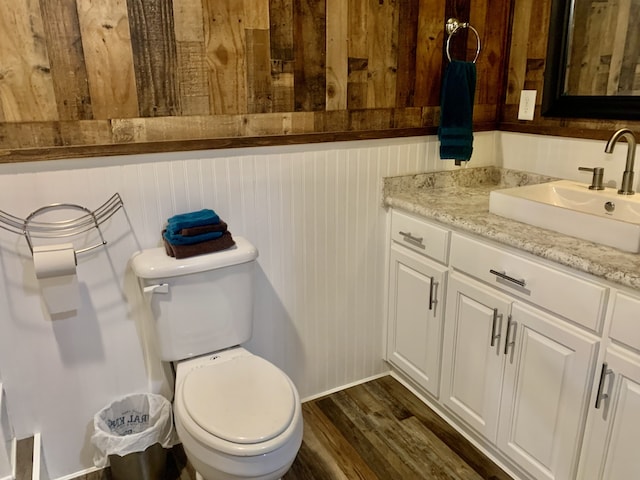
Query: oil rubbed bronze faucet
(626,187)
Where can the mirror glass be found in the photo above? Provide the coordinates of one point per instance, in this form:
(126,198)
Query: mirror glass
(603,48)
(593,60)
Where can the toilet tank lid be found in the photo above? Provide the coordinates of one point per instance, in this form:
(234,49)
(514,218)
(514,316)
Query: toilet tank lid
(155,263)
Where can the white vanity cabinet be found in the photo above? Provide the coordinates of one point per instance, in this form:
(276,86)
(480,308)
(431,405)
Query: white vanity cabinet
(513,341)
(612,447)
(416,299)
(516,374)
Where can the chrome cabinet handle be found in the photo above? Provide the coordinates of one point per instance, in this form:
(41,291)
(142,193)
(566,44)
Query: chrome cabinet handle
(508,343)
(494,335)
(433,290)
(603,373)
(418,241)
(504,276)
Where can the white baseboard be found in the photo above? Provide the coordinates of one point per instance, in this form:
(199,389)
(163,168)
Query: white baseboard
(344,387)
(75,475)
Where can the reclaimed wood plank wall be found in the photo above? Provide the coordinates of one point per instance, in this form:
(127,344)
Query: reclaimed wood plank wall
(525,70)
(100,77)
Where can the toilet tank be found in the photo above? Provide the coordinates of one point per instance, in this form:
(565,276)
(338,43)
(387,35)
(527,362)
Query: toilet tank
(199,304)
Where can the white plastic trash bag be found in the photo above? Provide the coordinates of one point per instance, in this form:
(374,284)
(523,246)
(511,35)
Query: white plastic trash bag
(131,424)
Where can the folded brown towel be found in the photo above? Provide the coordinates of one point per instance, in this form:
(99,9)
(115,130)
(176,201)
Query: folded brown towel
(214,227)
(210,246)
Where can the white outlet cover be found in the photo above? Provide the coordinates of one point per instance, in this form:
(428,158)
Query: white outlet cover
(527,104)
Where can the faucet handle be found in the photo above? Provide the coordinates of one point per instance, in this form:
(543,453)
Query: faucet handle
(596,180)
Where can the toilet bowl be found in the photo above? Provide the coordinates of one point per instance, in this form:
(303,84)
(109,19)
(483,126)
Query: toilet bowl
(238,416)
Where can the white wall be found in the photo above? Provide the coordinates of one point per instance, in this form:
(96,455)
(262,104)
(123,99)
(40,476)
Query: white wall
(561,157)
(315,214)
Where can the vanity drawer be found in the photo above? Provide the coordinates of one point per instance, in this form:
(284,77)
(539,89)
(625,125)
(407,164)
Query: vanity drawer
(625,322)
(570,296)
(420,236)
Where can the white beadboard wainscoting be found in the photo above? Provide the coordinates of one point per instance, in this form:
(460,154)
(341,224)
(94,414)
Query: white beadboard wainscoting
(314,212)
(561,156)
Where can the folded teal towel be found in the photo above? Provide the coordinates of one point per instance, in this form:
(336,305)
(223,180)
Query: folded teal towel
(206,216)
(456,111)
(177,239)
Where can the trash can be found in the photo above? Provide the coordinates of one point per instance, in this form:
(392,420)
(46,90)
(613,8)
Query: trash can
(132,435)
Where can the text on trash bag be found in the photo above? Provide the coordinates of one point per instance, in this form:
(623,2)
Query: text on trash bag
(129,422)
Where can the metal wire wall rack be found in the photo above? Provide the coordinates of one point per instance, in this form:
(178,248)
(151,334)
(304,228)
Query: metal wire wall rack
(90,219)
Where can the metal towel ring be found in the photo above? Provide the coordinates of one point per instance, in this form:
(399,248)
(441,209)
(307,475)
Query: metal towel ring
(453,25)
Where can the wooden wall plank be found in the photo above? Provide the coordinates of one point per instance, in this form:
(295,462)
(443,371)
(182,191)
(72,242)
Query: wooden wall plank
(258,45)
(281,27)
(537,49)
(519,44)
(188,20)
(581,11)
(210,69)
(259,87)
(382,29)
(225,52)
(618,38)
(408,11)
(193,78)
(489,18)
(358,54)
(256,14)
(191,68)
(106,42)
(154,56)
(429,52)
(337,61)
(309,19)
(68,71)
(281,39)
(26,86)
(458,47)
(629,72)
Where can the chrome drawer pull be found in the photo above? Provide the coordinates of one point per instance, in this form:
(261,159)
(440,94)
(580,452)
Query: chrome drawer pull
(494,335)
(411,239)
(603,373)
(504,276)
(508,343)
(433,289)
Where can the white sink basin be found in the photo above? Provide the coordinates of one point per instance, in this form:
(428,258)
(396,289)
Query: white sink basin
(600,216)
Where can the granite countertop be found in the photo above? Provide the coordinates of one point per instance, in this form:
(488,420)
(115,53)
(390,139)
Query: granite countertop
(460,199)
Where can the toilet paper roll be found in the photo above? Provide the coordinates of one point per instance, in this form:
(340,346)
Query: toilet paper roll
(54,260)
(55,267)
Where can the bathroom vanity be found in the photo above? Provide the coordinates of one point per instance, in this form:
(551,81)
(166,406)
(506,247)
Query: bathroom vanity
(526,340)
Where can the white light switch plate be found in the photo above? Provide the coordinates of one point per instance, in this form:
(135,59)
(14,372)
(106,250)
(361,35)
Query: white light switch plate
(527,104)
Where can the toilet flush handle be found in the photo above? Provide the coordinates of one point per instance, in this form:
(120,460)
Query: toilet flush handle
(157,288)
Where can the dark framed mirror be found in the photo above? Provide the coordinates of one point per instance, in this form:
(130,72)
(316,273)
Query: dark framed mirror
(572,25)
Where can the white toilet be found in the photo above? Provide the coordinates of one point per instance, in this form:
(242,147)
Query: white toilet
(238,416)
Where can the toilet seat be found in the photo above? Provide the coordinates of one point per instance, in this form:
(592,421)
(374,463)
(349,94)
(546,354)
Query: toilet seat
(243,400)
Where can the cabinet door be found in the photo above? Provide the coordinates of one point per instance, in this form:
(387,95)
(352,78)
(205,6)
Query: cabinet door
(414,339)
(613,448)
(545,392)
(472,360)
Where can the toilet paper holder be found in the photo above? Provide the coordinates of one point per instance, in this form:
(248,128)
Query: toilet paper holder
(91,219)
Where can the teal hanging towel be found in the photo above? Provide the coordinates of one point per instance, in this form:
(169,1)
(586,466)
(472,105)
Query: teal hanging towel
(456,111)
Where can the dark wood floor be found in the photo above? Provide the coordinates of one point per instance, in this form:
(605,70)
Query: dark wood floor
(380,430)
(377,430)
